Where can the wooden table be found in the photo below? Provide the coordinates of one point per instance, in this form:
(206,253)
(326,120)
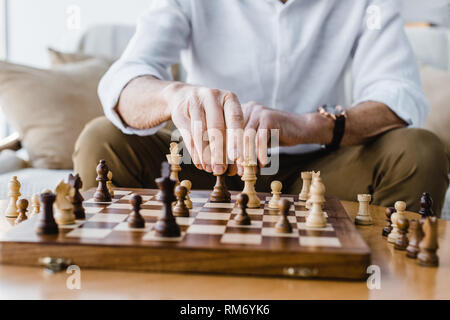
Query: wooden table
(401,278)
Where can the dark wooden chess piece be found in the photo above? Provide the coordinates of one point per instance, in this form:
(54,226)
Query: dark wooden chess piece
(166,226)
(415,231)
(402,241)
(426,204)
(388,228)
(102,193)
(428,246)
(77,199)
(47,224)
(220,192)
(242,218)
(283,225)
(180,209)
(22,208)
(135,219)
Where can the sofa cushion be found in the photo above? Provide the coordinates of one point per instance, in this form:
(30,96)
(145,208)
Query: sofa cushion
(9,161)
(436,84)
(49,108)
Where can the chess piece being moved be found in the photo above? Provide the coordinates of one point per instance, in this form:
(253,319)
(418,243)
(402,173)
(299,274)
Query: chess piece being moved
(166,226)
(22,208)
(249,178)
(135,219)
(220,192)
(400,207)
(174,160)
(64,209)
(283,225)
(388,228)
(402,241)
(188,185)
(102,193)
(242,218)
(77,199)
(180,209)
(415,231)
(314,175)
(426,204)
(47,224)
(276,187)
(306,177)
(363,217)
(35,205)
(428,246)
(316,217)
(13,194)
(109,184)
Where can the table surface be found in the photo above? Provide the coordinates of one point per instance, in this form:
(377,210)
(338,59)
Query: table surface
(401,277)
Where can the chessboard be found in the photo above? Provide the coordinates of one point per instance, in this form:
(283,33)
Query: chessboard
(210,240)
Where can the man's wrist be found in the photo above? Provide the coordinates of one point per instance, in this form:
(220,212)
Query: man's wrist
(316,128)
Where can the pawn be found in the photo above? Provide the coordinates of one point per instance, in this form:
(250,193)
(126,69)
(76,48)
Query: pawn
(402,241)
(188,185)
(242,218)
(180,209)
(135,219)
(22,208)
(109,184)
(35,205)
(415,237)
(388,228)
(283,225)
(400,208)
(276,187)
(429,244)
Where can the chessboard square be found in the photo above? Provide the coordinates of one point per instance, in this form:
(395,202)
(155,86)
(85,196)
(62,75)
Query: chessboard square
(150,212)
(108,217)
(89,233)
(291,208)
(71,226)
(153,203)
(273,218)
(151,236)
(121,192)
(302,226)
(272,232)
(93,209)
(206,229)
(254,224)
(144,198)
(300,203)
(249,211)
(301,213)
(308,241)
(219,205)
(288,198)
(213,216)
(123,226)
(96,202)
(120,206)
(184,221)
(239,238)
(199,200)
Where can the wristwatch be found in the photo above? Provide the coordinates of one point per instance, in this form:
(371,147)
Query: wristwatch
(338,115)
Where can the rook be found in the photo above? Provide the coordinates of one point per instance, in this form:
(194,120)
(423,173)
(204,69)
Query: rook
(415,237)
(47,224)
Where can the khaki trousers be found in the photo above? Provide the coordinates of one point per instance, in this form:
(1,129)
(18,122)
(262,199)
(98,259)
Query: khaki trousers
(398,165)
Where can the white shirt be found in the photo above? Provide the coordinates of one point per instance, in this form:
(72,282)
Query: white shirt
(291,56)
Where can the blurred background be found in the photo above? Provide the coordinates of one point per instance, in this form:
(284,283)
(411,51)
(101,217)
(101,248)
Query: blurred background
(53,53)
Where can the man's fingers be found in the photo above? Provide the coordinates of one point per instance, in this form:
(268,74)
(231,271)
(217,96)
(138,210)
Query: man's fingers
(198,130)
(262,139)
(234,120)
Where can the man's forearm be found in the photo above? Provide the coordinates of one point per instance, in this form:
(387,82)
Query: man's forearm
(364,121)
(143,103)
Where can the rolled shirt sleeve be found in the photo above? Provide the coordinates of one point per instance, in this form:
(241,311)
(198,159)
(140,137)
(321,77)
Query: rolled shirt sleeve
(384,67)
(161,33)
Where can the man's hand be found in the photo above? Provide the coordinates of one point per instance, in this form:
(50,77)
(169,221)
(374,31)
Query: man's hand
(211,123)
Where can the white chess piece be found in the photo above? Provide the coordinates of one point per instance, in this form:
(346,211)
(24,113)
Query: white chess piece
(35,205)
(174,159)
(400,208)
(316,217)
(188,185)
(363,217)
(314,175)
(63,207)
(276,187)
(306,177)
(13,194)
(249,178)
(109,184)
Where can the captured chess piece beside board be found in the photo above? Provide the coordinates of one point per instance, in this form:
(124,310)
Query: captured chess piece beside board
(176,228)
